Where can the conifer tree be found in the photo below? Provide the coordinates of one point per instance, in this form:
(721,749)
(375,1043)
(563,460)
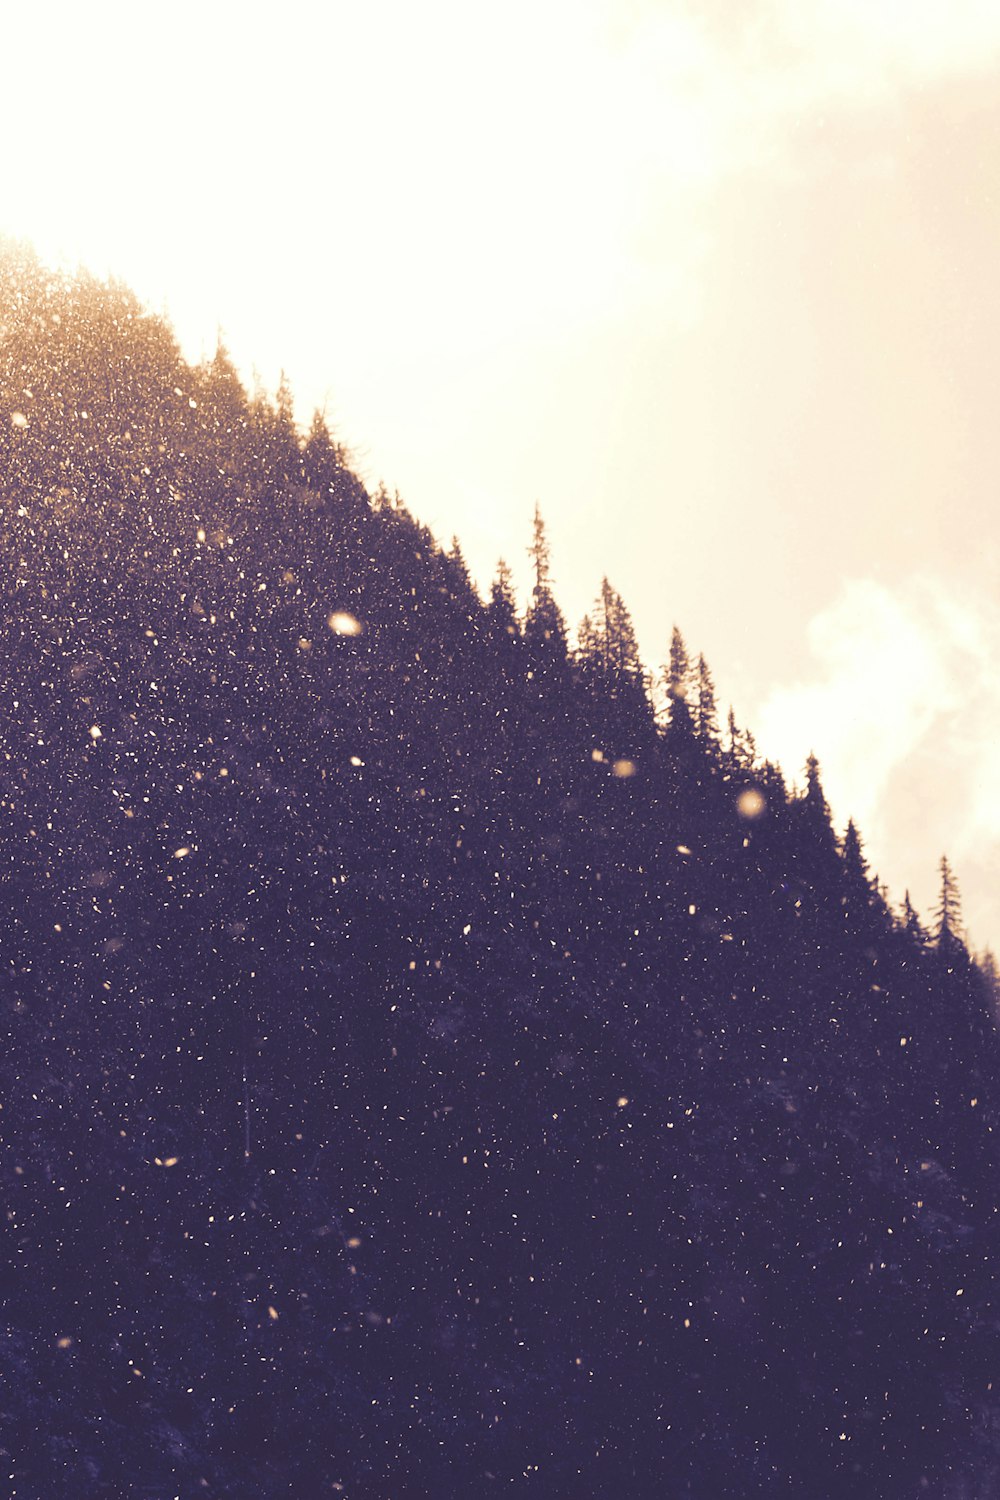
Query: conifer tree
(706,716)
(544,626)
(320,452)
(502,608)
(814,795)
(912,925)
(860,895)
(948,912)
(741,751)
(678,682)
(609,664)
(606,637)
(855,864)
(458,567)
(819,841)
(679,670)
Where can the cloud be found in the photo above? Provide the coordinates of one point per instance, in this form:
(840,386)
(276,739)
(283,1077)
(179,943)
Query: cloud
(903,710)
(747,82)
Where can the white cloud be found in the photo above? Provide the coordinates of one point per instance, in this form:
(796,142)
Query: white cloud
(903,711)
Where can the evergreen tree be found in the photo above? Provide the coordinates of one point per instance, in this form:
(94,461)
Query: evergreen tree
(544,626)
(855,863)
(706,717)
(610,668)
(948,912)
(678,685)
(818,847)
(741,749)
(861,896)
(912,925)
(502,608)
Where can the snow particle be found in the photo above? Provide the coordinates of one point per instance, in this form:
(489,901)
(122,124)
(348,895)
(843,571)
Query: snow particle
(751,803)
(342,623)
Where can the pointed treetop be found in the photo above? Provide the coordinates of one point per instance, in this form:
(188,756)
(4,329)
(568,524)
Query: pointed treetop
(606,638)
(540,555)
(679,670)
(706,715)
(948,913)
(814,787)
(503,600)
(912,924)
(544,626)
(855,864)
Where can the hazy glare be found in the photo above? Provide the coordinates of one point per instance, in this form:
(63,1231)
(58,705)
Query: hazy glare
(716,284)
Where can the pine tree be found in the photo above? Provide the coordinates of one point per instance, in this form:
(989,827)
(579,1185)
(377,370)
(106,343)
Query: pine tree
(948,912)
(679,670)
(544,626)
(855,864)
(540,556)
(912,925)
(458,569)
(502,608)
(819,847)
(677,678)
(741,751)
(706,716)
(815,797)
(609,666)
(859,892)
(606,637)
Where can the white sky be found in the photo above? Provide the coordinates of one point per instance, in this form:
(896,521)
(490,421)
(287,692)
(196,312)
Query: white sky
(714,282)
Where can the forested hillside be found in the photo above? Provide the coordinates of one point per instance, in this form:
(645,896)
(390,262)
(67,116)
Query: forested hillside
(438,1060)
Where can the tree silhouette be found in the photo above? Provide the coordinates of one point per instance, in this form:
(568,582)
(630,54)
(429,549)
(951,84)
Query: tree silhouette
(948,912)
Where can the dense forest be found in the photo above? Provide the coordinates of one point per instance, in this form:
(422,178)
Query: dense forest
(439,1058)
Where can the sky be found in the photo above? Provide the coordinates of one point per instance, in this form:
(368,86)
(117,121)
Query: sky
(714,283)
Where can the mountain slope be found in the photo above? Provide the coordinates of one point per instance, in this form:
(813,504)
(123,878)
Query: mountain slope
(427,1069)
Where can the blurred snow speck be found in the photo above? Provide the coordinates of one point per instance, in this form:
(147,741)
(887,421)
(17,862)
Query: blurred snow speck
(18,419)
(95,733)
(622,768)
(342,623)
(751,803)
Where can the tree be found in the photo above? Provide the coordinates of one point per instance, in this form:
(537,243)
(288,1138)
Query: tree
(502,608)
(860,894)
(540,556)
(677,677)
(607,636)
(741,752)
(544,626)
(948,912)
(706,715)
(855,864)
(609,664)
(679,670)
(912,925)
(818,841)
